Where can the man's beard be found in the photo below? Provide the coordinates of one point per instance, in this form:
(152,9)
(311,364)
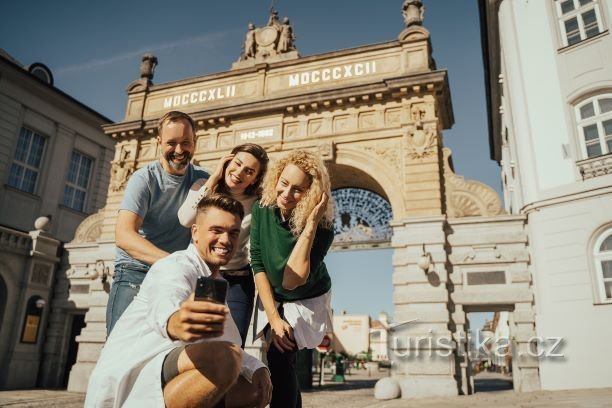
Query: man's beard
(178,165)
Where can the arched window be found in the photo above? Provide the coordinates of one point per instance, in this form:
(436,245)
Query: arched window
(594,118)
(602,255)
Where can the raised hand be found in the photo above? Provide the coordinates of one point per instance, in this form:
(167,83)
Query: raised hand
(317,213)
(217,175)
(197,320)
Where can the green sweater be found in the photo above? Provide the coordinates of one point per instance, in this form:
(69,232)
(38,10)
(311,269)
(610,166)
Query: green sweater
(271,245)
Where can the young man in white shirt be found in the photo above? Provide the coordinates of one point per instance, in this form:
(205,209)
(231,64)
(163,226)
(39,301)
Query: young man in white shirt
(168,349)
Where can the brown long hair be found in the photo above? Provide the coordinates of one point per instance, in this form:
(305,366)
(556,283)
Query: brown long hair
(262,157)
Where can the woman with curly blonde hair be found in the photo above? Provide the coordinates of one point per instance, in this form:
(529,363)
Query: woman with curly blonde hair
(290,235)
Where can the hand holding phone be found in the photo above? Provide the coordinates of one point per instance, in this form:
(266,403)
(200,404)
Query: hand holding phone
(211,289)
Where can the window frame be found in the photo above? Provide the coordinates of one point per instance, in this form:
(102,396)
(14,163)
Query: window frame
(577,13)
(24,165)
(76,186)
(597,258)
(598,119)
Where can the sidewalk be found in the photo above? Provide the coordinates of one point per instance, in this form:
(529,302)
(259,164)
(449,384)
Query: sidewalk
(357,392)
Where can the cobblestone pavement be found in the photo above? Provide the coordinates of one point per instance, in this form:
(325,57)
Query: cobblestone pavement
(357,392)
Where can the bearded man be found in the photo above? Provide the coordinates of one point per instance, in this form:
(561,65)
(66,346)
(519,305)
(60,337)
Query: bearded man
(147,226)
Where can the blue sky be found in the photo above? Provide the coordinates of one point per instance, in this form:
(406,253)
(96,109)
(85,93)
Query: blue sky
(94,47)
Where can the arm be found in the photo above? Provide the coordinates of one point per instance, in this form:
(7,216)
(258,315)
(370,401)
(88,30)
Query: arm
(200,189)
(282,332)
(128,239)
(297,269)
(266,294)
(189,208)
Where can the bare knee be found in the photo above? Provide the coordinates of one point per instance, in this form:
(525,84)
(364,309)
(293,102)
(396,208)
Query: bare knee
(220,360)
(229,358)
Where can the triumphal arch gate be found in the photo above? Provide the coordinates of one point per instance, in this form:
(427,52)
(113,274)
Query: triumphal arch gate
(376,114)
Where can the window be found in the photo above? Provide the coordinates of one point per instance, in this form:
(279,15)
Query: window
(579,20)
(77,181)
(26,163)
(594,117)
(602,254)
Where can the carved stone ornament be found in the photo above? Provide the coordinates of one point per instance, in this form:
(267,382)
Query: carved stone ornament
(468,198)
(421,140)
(387,152)
(90,229)
(273,42)
(97,270)
(147,66)
(413,12)
(121,171)
(147,71)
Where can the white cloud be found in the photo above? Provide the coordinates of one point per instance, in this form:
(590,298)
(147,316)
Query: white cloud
(203,41)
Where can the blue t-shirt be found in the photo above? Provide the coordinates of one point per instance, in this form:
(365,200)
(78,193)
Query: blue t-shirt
(156,196)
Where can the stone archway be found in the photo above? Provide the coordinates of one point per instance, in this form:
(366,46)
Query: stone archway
(376,115)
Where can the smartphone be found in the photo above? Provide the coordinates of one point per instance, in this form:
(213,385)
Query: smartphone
(211,289)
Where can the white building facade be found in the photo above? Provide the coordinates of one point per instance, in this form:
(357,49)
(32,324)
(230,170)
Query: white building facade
(548,70)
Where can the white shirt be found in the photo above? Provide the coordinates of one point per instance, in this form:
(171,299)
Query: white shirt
(128,372)
(310,319)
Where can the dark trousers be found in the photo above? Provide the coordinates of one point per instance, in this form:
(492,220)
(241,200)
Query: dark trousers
(240,299)
(286,389)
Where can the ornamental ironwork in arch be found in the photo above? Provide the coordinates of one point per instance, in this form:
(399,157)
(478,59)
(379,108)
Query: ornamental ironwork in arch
(361,216)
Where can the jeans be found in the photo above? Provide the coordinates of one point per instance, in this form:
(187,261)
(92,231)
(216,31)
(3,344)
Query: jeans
(240,299)
(126,284)
(285,385)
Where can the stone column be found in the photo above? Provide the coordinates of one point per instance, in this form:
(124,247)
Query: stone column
(83,261)
(526,366)
(423,352)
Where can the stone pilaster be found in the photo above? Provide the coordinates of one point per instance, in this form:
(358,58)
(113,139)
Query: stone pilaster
(98,277)
(422,351)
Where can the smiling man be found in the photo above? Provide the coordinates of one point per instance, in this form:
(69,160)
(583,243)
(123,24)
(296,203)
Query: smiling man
(147,226)
(171,350)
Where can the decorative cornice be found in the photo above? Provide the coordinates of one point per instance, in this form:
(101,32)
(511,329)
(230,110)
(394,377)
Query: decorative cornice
(468,198)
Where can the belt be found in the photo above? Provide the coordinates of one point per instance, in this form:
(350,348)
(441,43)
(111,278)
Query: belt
(244,271)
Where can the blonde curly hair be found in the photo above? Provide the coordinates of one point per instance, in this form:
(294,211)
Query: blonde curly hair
(320,183)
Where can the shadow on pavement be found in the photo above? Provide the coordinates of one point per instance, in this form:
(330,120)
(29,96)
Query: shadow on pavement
(492,384)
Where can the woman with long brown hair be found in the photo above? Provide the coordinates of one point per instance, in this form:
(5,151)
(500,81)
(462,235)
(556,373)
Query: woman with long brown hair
(238,175)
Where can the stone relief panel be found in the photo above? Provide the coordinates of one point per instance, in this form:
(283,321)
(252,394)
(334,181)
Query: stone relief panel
(316,127)
(468,198)
(393,117)
(422,140)
(226,140)
(148,150)
(385,151)
(90,229)
(342,123)
(421,111)
(326,150)
(122,168)
(367,120)
(291,130)
(204,143)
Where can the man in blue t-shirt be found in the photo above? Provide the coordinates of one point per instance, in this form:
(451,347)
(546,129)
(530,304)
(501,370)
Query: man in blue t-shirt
(147,227)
